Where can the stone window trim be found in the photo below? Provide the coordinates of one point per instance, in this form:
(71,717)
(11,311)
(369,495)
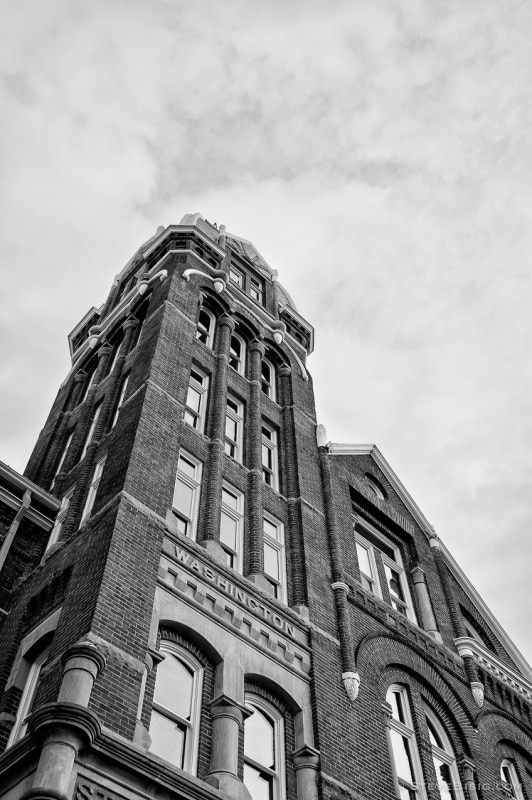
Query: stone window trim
(120,401)
(232,511)
(64,454)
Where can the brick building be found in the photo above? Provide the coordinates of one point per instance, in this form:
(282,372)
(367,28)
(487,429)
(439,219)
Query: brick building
(203,598)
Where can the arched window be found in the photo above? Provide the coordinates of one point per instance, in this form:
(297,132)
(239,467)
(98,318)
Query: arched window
(444,759)
(403,745)
(174,725)
(237,354)
(267,381)
(205,329)
(33,668)
(263,750)
(511,784)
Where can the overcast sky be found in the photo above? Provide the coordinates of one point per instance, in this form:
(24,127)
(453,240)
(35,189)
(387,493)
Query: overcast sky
(376,153)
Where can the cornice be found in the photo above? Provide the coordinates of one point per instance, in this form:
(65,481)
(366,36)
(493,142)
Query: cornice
(467,646)
(16,479)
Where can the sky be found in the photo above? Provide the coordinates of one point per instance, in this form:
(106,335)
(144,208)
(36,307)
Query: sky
(378,156)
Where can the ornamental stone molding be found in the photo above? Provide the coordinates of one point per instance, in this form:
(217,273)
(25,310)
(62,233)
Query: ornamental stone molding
(467,646)
(351,681)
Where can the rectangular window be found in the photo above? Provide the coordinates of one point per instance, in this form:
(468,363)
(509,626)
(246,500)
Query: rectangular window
(236,277)
(185,504)
(93,489)
(120,401)
(91,431)
(274,556)
(256,290)
(231,525)
(234,421)
(381,569)
(61,516)
(270,471)
(196,402)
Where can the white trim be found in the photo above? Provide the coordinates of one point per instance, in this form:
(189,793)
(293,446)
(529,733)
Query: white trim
(395,563)
(274,716)
(240,359)
(194,484)
(61,516)
(406,731)
(93,490)
(202,389)
(446,753)
(236,515)
(237,417)
(277,543)
(270,444)
(190,754)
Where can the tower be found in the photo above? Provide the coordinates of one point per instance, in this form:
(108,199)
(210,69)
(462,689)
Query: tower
(204,598)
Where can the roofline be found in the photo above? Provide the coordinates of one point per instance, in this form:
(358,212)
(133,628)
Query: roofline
(470,590)
(339,449)
(21,482)
(373,451)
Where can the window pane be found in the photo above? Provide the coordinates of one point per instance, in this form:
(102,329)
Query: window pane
(271,561)
(168,739)
(394,583)
(183,498)
(445,782)
(259,740)
(186,466)
(259,786)
(402,757)
(433,735)
(173,687)
(228,531)
(193,399)
(230,428)
(363,560)
(396,702)
(229,499)
(271,530)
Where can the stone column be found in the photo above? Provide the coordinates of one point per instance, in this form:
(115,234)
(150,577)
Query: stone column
(469,779)
(227,719)
(428,619)
(64,727)
(306,763)
(216,430)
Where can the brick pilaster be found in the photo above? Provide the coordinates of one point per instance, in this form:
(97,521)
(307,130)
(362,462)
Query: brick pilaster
(216,427)
(254,429)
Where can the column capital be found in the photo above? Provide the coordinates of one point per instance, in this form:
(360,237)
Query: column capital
(285,371)
(418,574)
(226,321)
(306,757)
(104,351)
(86,651)
(58,716)
(224,706)
(257,347)
(130,322)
